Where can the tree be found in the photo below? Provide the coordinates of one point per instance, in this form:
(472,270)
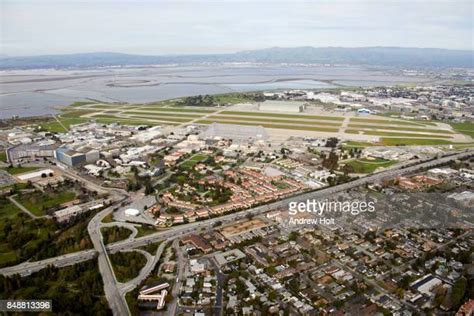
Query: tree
(332,142)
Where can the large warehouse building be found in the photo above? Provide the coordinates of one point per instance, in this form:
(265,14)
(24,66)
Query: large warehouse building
(238,133)
(282,106)
(28,152)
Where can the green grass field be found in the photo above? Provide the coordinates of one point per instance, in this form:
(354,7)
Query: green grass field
(164,114)
(176,110)
(275,120)
(387,121)
(56,127)
(38,203)
(464,128)
(276,126)
(191,162)
(162,119)
(413,142)
(3,156)
(393,127)
(394,134)
(296,116)
(107,119)
(19,170)
(368,166)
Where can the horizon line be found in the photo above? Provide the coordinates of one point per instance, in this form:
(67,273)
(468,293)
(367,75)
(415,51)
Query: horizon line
(230,53)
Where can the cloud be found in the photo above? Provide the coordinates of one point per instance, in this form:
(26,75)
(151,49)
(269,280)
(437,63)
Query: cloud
(166,27)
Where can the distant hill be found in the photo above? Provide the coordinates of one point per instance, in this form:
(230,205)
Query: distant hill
(376,56)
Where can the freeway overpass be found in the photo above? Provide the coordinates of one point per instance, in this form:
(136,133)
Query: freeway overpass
(27,268)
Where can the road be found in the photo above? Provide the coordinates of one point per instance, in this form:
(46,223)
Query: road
(124,288)
(180,264)
(24,209)
(128,226)
(179,231)
(114,295)
(117,302)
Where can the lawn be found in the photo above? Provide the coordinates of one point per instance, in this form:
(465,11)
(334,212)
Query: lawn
(19,170)
(176,110)
(295,116)
(464,128)
(56,127)
(376,133)
(277,126)
(108,119)
(164,119)
(387,121)
(39,203)
(189,163)
(302,121)
(398,128)
(166,115)
(412,142)
(3,156)
(368,166)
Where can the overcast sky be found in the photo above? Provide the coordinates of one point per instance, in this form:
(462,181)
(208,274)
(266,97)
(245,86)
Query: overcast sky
(174,27)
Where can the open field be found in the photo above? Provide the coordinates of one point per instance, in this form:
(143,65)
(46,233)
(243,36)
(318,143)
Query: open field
(175,109)
(276,120)
(55,126)
(395,134)
(163,119)
(413,142)
(367,165)
(388,120)
(464,128)
(38,203)
(391,127)
(19,170)
(189,164)
(283,115)
(360,129)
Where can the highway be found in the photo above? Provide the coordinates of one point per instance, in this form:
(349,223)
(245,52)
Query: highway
(115,293)
(117,303)
(178,231)
(124,288)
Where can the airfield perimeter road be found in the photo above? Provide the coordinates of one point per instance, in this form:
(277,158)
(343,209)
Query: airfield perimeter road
(27,268)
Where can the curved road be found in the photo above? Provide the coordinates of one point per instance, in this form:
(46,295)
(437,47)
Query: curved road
(114,295)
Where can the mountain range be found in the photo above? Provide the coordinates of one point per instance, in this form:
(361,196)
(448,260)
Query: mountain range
(372,56)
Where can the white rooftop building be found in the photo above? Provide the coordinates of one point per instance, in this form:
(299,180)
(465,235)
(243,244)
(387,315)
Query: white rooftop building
(282,106)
